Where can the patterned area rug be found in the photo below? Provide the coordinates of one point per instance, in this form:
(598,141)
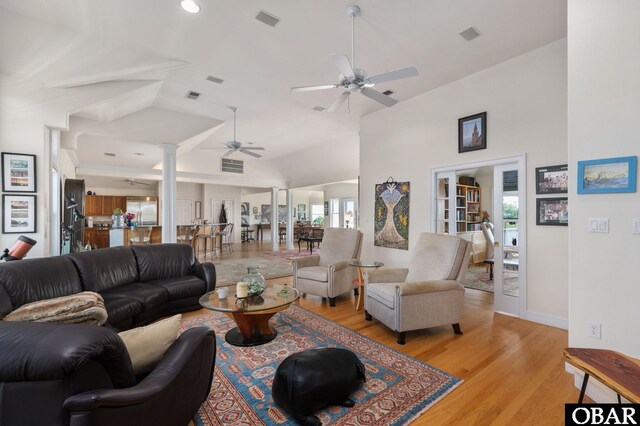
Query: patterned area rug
(231,271)
(289,254)
(398,387)
(478,279)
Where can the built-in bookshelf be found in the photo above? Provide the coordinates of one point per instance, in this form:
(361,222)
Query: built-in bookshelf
(468,212)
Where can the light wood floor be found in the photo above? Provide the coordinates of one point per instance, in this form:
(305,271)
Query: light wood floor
(513,370)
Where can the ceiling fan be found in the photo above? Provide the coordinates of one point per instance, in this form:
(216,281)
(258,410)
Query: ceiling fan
(355,79)
(133,182)
(234,145)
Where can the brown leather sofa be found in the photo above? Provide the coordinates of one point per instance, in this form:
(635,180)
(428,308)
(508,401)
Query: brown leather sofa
(139,284)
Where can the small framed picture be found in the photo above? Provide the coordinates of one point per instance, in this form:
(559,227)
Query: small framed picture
(18,172)
(472,132)
(608,175)
(552,211)
(18,214)
(552,179)
(255,210)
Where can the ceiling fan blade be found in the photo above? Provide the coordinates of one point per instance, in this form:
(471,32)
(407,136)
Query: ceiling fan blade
(253,154)
(228,153)
(378,97)
(338,102)
(254,148)
(312,88)
(344,66)
(393,75)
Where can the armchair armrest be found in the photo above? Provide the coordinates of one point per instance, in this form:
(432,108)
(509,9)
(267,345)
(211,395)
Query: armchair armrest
(206,272)
(305,261)
(421,287)
(389,275)
(193,345)
(338,266)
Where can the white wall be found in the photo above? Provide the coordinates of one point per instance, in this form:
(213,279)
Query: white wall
(525,100)
(604,88)
(189,191)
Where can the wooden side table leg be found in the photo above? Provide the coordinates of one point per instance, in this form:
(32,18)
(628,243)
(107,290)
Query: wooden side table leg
(361,292)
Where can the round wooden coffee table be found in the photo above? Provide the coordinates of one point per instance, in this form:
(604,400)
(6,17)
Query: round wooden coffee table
(252,314)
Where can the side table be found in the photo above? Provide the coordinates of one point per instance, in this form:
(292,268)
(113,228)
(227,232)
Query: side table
(361,265)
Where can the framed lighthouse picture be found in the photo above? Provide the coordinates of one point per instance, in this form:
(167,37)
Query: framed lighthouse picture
(472,132)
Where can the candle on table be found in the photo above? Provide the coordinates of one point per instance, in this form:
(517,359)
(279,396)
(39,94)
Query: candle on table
(242,289)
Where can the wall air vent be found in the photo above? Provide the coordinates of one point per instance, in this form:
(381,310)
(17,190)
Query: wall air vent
(192,95)
(319,109)
(267,18)
(215,79)
(470,33)
(388,92)
(231,166)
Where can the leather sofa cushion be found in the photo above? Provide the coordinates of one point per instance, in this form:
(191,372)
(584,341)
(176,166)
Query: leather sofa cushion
(30,280)
(104,269)
(161,261)
(384,293)
(149,295)
(48,351)
(315,273)
(121,309)
(182,287)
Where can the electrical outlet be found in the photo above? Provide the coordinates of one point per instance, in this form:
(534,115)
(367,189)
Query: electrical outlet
(594,329)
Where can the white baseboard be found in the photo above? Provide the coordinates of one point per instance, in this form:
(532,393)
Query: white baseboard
(595,390)
(545,319)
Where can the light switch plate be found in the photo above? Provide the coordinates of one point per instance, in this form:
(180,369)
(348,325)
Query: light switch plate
(598,224)
(636,226)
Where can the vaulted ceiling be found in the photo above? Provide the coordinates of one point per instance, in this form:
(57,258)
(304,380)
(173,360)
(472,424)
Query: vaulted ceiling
(72,44)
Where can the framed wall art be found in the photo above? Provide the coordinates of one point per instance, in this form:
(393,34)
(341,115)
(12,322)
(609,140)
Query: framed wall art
(472,132)
(552,211)
(391,216)
(18,172)
(608,175)
(552,179)
(18,214)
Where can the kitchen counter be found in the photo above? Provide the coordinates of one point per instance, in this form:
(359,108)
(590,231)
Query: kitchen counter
(121,236)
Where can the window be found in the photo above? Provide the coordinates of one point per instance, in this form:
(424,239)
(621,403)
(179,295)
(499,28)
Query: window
(317,214)
(335,213)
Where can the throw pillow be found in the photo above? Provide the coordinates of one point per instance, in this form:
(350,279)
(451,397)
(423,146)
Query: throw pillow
(147,345)
(86,307)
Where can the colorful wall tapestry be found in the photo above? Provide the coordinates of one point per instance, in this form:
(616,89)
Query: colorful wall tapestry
(391,225)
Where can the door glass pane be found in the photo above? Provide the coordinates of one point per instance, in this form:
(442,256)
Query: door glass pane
(349,213)
(510,228)
(442,206)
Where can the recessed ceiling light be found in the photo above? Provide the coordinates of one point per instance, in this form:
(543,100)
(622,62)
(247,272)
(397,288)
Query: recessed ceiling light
(190,6)
(109,154)
(319,109)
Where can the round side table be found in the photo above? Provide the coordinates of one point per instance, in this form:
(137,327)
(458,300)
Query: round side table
(361,265)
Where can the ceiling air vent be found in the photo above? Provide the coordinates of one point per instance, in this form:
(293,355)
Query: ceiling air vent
(192,95)
(388,92)
(319,109)
(267,18)
(231,166)
(215,79)
(109,154)
(470,33)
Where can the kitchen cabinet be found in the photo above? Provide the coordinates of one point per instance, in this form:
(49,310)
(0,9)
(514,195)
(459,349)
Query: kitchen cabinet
(102,238)
(93,205)
(89,237)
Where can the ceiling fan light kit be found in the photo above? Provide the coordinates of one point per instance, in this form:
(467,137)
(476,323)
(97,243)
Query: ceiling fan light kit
(190,6)
(355,79)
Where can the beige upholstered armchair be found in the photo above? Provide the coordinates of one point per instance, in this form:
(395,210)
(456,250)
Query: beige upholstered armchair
(427,294)
(328,273)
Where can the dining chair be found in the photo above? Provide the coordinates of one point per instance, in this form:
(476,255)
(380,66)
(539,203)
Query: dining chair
(140,236)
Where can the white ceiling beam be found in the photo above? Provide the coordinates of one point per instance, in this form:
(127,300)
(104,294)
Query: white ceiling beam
(123,74)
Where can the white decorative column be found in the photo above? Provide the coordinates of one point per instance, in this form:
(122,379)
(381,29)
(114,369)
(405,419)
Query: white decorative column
(275,226)
(290,219)
(168,192)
